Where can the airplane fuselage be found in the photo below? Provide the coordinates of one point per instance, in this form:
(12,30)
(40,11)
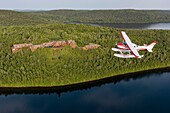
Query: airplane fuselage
(132,49)
(124,46)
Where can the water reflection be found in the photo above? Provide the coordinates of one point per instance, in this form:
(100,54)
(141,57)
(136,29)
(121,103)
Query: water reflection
(149,93)
(141,95)
(139,92)
(163,26)
(127,25)
(83,86)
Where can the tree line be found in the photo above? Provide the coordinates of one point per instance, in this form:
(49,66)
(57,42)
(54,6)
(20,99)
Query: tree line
(9,17)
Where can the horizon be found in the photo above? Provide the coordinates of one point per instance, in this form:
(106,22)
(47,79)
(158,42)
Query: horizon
(85,5)
(79,9)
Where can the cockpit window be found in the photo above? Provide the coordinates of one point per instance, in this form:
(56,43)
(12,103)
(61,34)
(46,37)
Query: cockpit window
(125,43)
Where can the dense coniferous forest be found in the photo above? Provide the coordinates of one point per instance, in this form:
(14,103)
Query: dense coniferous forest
(48,67)
(8,17)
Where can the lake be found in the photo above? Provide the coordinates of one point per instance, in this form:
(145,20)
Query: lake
(136,93)
(163,26)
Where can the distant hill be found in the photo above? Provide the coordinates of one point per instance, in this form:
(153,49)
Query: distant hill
(108,16)
(8,17)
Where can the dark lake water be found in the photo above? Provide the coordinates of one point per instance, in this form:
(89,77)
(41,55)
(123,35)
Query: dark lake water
(136,93)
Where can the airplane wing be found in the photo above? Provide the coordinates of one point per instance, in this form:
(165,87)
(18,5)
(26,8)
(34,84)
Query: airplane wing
(130,45)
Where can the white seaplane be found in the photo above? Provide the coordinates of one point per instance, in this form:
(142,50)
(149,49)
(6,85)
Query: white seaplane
(132,49)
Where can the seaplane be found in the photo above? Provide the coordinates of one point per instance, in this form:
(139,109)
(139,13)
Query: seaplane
(128,49)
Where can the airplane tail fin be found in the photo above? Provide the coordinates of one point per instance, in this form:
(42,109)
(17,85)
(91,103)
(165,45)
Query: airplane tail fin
(150,46)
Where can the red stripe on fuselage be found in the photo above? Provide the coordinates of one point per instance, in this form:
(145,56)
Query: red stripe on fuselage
(121,45)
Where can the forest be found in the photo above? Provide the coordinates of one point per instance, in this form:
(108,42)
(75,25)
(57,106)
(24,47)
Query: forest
(48,67)
(9,17)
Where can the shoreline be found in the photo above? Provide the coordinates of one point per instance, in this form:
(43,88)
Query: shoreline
(69,67)
(124,25)
(82,85)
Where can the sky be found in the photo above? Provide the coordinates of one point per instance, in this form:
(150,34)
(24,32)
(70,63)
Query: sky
(83,4)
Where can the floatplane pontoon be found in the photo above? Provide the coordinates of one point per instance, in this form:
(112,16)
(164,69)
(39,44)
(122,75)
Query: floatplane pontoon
(130,48)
